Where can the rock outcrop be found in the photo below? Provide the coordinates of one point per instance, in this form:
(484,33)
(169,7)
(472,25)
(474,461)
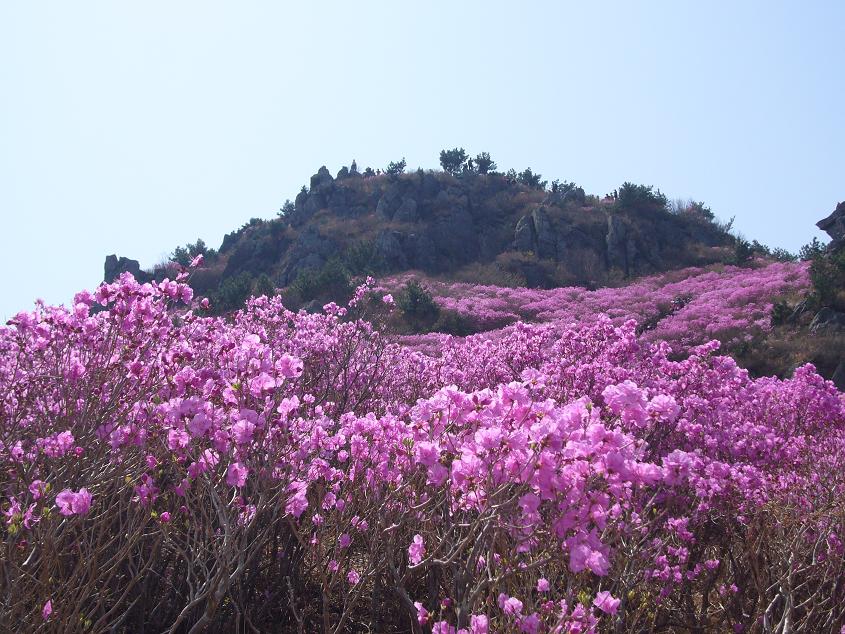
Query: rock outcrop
(828,321)
(407,211)
(619,246)
(535,233)
(838,377)
(114,266)
(437,223)
(834,226)
(322,178)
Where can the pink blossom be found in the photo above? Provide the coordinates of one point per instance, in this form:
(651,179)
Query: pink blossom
(479,624)
(606,603)
(71,503)
(422,613)
(416,551)
(37,488)
(236,474)
(289,366)
(242,431)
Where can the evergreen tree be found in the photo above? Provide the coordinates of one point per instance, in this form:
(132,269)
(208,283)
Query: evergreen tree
(484,164)
(452,161)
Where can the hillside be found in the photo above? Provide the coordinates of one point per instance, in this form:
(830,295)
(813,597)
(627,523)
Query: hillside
(494,228)
(476,241)
(583,460)
(164,470)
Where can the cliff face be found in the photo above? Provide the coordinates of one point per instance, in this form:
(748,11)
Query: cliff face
(834,226)
(438,223)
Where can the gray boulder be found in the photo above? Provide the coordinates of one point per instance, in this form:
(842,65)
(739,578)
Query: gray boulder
(544,234)
(535,233)
(407,211)
(421,251)
(455,236)
(617,243)
(798,312)
(389,201)
(339,200)
(523,235)
(828,321)
(389,246)
(313,204)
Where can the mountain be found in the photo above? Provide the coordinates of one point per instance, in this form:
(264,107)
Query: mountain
(503,229)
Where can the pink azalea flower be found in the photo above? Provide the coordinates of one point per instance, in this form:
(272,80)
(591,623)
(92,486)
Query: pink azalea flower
(236,474)
(416,551)
(71,503)
(606,603)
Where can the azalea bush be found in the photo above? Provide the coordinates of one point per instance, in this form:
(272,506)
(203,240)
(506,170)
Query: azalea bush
(277,471)
(685,308)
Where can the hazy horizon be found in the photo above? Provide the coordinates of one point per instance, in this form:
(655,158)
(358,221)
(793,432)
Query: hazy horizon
(132,129)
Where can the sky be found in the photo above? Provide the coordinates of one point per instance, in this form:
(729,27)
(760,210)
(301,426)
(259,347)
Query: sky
(135,127)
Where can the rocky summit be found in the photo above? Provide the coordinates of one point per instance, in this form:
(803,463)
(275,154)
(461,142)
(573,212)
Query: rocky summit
(487,227)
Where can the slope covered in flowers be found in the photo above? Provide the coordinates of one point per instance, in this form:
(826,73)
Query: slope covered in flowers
(274,471)
(686,307)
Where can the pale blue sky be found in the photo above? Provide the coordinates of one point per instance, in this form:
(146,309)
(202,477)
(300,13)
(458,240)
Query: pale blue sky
(133,127)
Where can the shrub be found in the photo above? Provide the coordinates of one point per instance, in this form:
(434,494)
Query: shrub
(782,255)
(811,250)
(363,258)
(780,312)
(184,255)
(563,187)
(416,301)
(530,179)
(331,281)
(168,472)
(743,251)
(827,272)
(263,286)
(631,196)
(232,292)
(452,322)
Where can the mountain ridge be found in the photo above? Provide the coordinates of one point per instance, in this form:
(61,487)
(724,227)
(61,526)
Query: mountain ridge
(502,228)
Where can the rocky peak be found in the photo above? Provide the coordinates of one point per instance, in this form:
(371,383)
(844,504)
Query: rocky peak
(834,226)
(114,266)
(322,178)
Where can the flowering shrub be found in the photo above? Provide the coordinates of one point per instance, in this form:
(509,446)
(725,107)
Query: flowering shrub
(684,308)
(280,471)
